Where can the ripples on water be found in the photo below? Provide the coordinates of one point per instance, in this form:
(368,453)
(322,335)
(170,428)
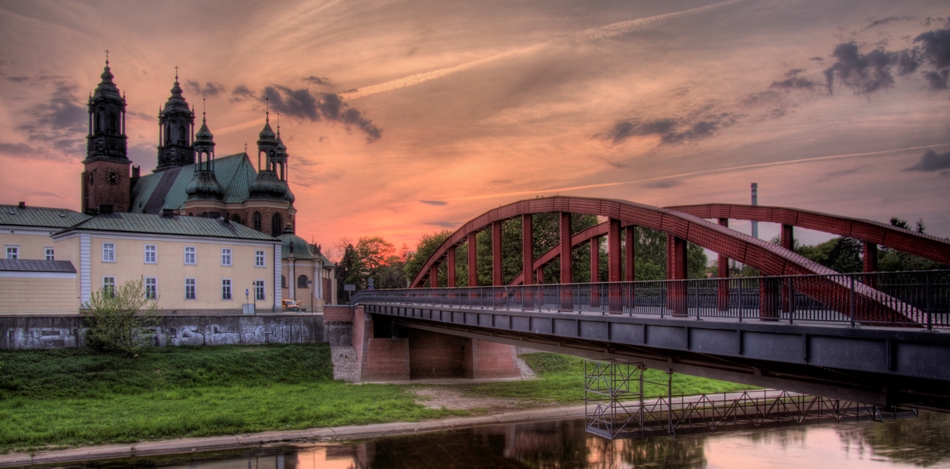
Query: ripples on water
(905,443)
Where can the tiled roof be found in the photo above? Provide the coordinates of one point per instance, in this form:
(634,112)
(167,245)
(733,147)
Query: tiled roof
(300,247)
(166,189)
(24,265)
(39,216)
(174,225)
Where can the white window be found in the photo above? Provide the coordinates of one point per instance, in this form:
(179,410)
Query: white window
(259,259)
(190,255)
(13,252)
(226,289)
(49,254)
(225,256)
(151,254)
(190,289)
(259,290)
(108,252)
(151,288)
(108,287)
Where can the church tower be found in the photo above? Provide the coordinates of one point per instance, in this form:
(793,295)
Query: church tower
(204,191)
(105,180)
(176,125)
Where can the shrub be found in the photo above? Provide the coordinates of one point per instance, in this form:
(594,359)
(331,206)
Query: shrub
(122,320)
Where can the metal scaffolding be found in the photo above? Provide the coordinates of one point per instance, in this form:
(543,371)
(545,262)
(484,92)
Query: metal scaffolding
(615,406)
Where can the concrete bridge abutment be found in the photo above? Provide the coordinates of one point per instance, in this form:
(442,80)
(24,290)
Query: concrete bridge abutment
(387,353)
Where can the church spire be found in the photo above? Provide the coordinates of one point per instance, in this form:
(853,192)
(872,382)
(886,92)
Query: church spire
(106,106)
(176,123)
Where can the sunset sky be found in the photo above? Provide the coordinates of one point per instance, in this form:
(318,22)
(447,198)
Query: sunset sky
(406,117)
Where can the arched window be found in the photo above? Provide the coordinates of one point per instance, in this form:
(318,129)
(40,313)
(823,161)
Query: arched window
(204,214)
(235,218)
(182,136)
(283,282)
(276,225)
(302,281)
(257,221)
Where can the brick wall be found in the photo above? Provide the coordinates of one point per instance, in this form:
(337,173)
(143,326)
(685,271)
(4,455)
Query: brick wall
(337,313)
(433,355)
(494,360)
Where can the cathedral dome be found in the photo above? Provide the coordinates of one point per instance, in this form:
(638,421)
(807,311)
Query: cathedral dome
(267,134)
(204,135)
(204,186)
(267,186)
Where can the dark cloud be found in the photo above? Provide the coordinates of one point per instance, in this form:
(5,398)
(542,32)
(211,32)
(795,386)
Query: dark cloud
(501,181)
(318,80)
(663,184)
(871,72)
(59,124)
(672,131)
(18,79)
(303,104)
(294,103)
(935,47)
(932,161)
(937,80)
(442,224)
(862,73)
(889,19)
(17,149)
(209,88)
(241,93)
(795,82)
(434,202)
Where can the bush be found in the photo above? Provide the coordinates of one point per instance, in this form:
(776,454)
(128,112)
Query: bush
(121,321)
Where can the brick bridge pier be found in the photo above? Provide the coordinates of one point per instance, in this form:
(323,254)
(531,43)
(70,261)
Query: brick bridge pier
(387,353)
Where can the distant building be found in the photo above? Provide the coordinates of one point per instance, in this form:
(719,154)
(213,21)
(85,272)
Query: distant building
(131,210)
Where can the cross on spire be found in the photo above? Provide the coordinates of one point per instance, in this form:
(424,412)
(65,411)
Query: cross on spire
(278,124)
(176,73)
(204,108)
(267,112)
(107,56)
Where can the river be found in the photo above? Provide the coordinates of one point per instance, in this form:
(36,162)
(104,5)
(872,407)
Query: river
(903,443)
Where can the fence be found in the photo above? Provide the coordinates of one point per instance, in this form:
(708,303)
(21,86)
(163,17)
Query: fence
(904,299)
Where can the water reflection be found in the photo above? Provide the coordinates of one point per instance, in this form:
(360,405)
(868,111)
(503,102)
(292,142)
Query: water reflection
(923,442)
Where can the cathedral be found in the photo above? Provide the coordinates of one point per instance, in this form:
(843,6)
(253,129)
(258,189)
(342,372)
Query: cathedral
(189,179)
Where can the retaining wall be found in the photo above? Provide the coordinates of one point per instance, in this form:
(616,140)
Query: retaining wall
(48,332)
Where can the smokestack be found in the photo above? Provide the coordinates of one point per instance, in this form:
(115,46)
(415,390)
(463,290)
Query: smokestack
(755,202)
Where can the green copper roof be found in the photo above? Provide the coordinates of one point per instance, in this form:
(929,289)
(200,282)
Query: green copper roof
(300,248)
(166,189)
(175,225)
(13,215)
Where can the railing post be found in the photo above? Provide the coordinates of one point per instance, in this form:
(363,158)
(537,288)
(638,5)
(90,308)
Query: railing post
(852,300)
(928,302)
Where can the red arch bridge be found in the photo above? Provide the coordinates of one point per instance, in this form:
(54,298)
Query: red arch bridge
(876,338)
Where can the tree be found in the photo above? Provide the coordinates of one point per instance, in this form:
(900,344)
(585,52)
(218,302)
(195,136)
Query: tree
(892,260)
(427,245)
(121,320)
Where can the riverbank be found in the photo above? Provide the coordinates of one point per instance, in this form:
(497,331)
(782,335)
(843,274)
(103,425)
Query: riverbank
(57,399)
(312,435)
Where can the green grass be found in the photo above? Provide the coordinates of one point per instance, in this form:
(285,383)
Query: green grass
(562,382)
(76,397)
(69,397)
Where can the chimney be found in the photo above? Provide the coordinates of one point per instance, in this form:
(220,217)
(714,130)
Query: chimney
(21,205)
(755,202)
(105,209)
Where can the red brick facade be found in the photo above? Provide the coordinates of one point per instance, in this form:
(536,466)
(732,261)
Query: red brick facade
(106,182)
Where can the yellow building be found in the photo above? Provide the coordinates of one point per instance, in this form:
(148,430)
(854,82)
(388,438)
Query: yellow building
(189,264)
(307,276)
(25,231)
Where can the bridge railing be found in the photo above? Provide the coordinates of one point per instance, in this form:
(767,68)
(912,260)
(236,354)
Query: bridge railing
(905,299)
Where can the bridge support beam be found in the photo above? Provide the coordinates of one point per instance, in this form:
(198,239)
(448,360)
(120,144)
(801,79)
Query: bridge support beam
(870,257)
(723,287)
(434,276)
(613,266)
(450,263)
(630,253)
(473,259)
(496,273)
(566,294)
(595,270)
(676,270)
(527,248)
